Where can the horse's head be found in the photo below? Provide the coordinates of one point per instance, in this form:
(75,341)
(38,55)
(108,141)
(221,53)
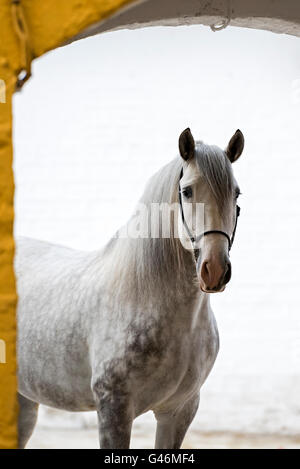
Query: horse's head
(207,181)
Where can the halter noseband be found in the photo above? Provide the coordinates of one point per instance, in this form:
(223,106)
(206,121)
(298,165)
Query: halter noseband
(197,239)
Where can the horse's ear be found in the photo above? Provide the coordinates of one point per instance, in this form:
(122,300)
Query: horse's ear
(235,146)
(186,145)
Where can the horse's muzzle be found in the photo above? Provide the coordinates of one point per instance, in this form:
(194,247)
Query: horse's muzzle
(214,275)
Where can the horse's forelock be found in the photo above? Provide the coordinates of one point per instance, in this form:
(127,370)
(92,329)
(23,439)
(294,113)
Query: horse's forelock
(216,169)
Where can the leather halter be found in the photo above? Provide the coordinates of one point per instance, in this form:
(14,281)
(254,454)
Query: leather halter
(196,239)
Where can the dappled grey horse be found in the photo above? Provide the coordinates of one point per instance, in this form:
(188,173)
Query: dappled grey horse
(129,328)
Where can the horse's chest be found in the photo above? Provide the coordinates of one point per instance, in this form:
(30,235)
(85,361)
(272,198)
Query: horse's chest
(200,354)
(178,364)
(196,353)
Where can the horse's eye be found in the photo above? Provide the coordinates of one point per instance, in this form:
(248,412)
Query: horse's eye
(187,192)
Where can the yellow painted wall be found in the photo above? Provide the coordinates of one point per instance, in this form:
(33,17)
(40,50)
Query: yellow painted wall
(50,24)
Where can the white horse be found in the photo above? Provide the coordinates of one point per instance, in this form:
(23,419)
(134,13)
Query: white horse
(130,328)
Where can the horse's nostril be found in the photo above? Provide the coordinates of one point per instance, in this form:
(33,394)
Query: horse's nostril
(215,275)
(227,275)
(205,274)
(205,268)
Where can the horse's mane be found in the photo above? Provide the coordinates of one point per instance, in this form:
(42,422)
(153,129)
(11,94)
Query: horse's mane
(215,166)
(136,264)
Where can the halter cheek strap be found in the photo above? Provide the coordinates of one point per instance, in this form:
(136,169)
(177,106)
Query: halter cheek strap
(205,233)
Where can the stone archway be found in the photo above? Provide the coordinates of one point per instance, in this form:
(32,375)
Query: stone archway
(275,16)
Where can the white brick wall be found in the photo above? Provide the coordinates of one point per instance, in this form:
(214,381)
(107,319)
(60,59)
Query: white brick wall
(100,116)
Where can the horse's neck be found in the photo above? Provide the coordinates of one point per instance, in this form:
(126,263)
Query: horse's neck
(152,271)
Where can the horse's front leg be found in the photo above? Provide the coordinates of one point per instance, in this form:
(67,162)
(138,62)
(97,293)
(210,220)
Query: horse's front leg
(172,426)
(115,417)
